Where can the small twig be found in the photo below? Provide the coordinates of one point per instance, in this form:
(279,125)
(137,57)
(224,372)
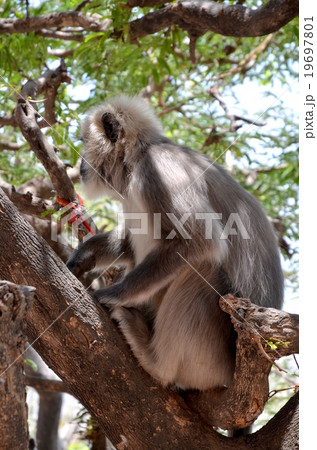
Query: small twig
(63,35)
(31,100)
(171,109)
(276,391)
(263,352)
(233,118)
(14,146)
(295,359)
(244,119)
(249,60)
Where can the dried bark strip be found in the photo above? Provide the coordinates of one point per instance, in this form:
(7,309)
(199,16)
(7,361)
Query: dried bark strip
(86,350)
(15,301)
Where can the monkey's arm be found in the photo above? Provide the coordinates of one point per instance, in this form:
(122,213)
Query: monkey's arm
(99,252)
(157,270)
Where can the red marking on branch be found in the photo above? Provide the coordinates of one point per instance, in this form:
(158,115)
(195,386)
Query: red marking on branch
(77,213)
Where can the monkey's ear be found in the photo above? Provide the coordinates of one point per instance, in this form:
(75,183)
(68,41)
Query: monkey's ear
(111,126)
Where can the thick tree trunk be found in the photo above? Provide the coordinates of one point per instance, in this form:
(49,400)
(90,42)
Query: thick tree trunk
(76,338)
(14,304)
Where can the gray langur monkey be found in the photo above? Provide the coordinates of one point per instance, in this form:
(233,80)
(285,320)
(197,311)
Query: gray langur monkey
(167,302)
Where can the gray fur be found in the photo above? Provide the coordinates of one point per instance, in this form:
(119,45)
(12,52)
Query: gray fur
(167,303)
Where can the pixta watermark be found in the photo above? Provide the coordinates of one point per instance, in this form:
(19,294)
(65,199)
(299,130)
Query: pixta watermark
(159,226)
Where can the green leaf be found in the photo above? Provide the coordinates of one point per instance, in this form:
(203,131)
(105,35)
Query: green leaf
(32,364)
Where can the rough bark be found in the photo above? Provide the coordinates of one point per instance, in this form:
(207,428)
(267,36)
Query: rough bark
(15,301)
(27,203)
(270,437)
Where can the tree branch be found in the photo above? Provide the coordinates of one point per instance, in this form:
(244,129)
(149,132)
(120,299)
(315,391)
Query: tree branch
(14,146)
(147,3)
(87,22)
(15,302)
(249,60)
(27,203)
(8,121)
(281,432)
(195,16)
(43,384)
(48,83)
(77,339)
(61,52)
(26,117)
(42,186)
(198,16)
(63,35)
(233,118)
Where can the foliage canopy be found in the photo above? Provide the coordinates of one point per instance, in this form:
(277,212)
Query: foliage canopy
(200,87)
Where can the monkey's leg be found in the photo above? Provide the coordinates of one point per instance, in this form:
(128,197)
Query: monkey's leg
(135,329)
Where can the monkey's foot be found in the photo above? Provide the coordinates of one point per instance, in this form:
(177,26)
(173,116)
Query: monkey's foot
(108,296)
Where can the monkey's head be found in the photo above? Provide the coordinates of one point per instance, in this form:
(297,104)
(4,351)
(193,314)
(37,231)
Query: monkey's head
(114,133)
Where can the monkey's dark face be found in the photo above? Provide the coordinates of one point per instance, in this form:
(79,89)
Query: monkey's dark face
(114,134)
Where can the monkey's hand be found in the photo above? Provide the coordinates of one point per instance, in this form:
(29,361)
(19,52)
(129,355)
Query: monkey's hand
(102,251)
(155,272)
(81,261)
(109,296)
